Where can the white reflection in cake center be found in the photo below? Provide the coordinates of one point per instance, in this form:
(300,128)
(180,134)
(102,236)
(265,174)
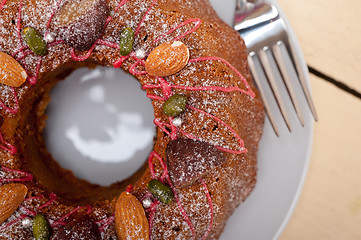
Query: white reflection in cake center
(126,139)
(100,125)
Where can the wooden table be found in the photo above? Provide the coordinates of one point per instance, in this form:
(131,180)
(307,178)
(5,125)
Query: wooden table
(330,37)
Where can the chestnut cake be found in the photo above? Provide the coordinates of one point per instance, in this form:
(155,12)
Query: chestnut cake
(207,114)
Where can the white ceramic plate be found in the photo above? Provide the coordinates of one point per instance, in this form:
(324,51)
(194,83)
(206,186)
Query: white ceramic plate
(282,161)
(93,112)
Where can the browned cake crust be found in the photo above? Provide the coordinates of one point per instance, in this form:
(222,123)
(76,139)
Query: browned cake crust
(215,115)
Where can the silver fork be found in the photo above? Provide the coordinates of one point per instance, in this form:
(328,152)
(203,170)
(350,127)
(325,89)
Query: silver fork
(272,57)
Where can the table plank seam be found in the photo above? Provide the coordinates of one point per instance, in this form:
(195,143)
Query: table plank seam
(335,82)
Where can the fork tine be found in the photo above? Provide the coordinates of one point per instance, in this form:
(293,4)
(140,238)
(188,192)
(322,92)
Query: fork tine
(303,80)
(275,61)
(288,72)
(259,78)
(271,69)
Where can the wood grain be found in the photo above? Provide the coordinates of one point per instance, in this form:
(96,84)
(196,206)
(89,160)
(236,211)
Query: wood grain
(330,204)
(330,36)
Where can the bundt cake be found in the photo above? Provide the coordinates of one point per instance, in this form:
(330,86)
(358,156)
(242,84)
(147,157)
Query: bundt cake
(207,113)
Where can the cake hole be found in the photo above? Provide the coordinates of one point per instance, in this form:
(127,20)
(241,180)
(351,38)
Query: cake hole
(99,125)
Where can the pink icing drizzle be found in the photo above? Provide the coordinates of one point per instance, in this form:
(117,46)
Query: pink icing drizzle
(52,199)
(191,20)
(52,15)
(28,177)
(211,213)
(61,222)
(7,146)
(144,17)
(28,212)
(104,223)
(14,221)
(86,56)
(240,141)
(2,4)
(121,4)
(248,90)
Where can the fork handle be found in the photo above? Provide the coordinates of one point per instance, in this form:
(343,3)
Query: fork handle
(253,13)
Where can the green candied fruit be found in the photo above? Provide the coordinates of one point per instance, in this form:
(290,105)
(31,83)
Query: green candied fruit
(160,191)
(41,228)
(126,41)
(35,41)
(175,105)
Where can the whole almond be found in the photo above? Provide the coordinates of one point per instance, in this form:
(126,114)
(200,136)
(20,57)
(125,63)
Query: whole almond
(167,59)
(11,196)
(130,219)
(11,72)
